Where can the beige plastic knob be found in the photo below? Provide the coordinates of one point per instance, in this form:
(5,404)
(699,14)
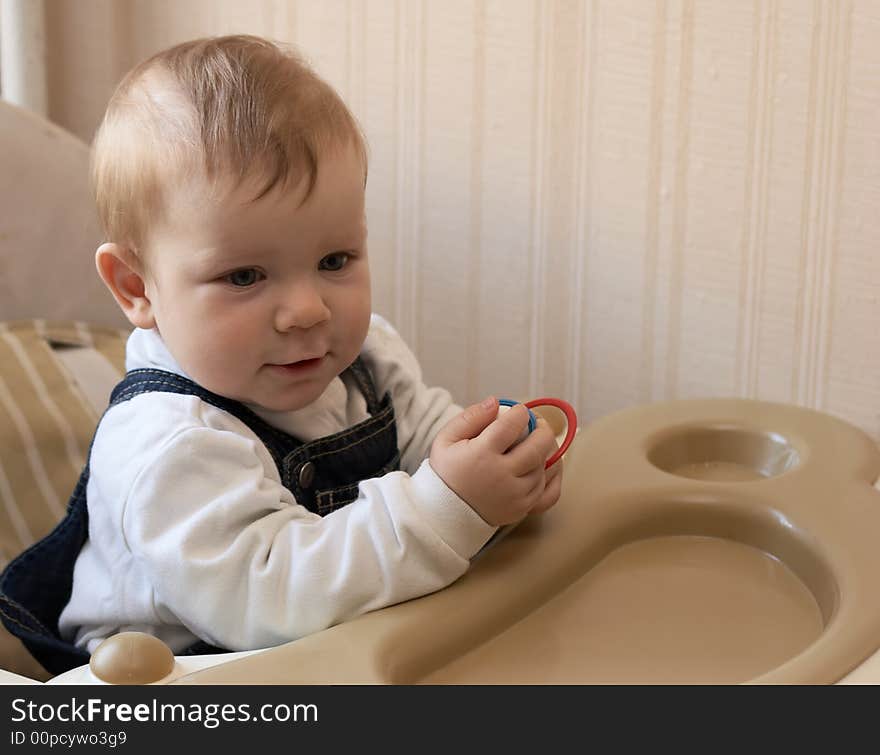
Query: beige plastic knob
(131,658)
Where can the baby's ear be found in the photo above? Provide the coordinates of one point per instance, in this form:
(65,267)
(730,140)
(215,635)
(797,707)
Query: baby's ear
(122,273)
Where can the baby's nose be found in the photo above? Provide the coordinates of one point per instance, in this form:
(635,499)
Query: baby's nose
(303,307)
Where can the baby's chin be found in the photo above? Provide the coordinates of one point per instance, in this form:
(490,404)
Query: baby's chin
(279,406)
(284,401)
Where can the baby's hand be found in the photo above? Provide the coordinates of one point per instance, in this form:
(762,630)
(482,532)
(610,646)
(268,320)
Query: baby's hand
(470,454)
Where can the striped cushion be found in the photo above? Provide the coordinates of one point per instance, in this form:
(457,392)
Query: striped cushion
(55,380)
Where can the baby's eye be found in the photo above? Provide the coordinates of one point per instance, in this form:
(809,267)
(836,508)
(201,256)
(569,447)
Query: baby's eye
(334,262)
(243,278)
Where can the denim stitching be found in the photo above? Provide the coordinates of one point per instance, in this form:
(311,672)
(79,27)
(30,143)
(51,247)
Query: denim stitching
(326,499)
(383,427)
(343,434)
(40,630)
(307,447)
(292,460)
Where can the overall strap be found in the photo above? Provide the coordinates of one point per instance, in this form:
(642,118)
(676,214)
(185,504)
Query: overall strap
(145,380)
(279,443)
(364,380)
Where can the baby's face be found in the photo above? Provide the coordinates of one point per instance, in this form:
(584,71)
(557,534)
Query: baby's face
(264,302)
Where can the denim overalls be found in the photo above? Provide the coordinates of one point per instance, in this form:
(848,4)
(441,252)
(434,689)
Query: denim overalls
(322,474)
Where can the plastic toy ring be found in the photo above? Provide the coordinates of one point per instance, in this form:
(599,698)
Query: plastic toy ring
(533,420)
(570,419)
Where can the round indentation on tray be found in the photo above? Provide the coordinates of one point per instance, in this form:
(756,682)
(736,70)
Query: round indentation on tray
(668,609)
(694,588)
(723,454)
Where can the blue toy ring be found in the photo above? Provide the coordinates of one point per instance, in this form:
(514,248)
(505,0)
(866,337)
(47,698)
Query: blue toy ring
(533,420)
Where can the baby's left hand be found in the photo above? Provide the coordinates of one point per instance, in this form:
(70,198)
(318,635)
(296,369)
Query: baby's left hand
(552,480)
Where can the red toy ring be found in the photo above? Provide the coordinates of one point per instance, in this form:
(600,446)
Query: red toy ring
(571,424)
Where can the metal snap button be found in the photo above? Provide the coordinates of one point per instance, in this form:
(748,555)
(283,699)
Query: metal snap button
(306,475)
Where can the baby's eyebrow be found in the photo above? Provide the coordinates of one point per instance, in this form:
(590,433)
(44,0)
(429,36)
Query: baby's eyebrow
(351,235)
(217,257)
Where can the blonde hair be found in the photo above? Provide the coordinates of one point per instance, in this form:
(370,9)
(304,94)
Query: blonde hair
(237,106)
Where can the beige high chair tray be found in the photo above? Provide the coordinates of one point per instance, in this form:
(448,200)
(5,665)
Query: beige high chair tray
(710,541)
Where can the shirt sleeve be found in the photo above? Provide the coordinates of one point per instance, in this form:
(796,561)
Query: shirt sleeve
(232,556)
(421,411)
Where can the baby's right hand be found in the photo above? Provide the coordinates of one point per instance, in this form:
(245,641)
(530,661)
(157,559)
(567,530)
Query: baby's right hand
(470,454)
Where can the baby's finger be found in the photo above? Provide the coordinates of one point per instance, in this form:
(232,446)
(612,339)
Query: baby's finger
(555,447)
(469,423)
(506,429)
(529,486)
(533,452)
(555,470)
(552,490)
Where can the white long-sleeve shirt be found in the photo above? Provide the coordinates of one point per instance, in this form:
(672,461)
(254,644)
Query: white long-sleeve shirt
(193,536)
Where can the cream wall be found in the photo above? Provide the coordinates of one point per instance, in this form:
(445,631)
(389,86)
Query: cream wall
(609,201)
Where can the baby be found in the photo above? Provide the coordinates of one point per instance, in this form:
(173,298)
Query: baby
(272,464)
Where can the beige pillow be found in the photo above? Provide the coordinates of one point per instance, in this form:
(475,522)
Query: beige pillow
(55,380)
(49,223)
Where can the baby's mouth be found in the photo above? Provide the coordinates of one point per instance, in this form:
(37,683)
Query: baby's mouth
(301,365)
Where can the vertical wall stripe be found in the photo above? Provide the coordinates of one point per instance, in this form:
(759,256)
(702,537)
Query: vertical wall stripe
(813,203)
(543,30)
(355,57)
(755,195)
(478,124)
(410,167)
(279,21)
(397,168)
(801,348)
(745,333)
(652,206)
(820,211)
(771,71)
(419,159)
(292,18)
(268,16)
(679,222)
(587,18)
(121,44)
(837,161)
(820,206)
(348,55)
